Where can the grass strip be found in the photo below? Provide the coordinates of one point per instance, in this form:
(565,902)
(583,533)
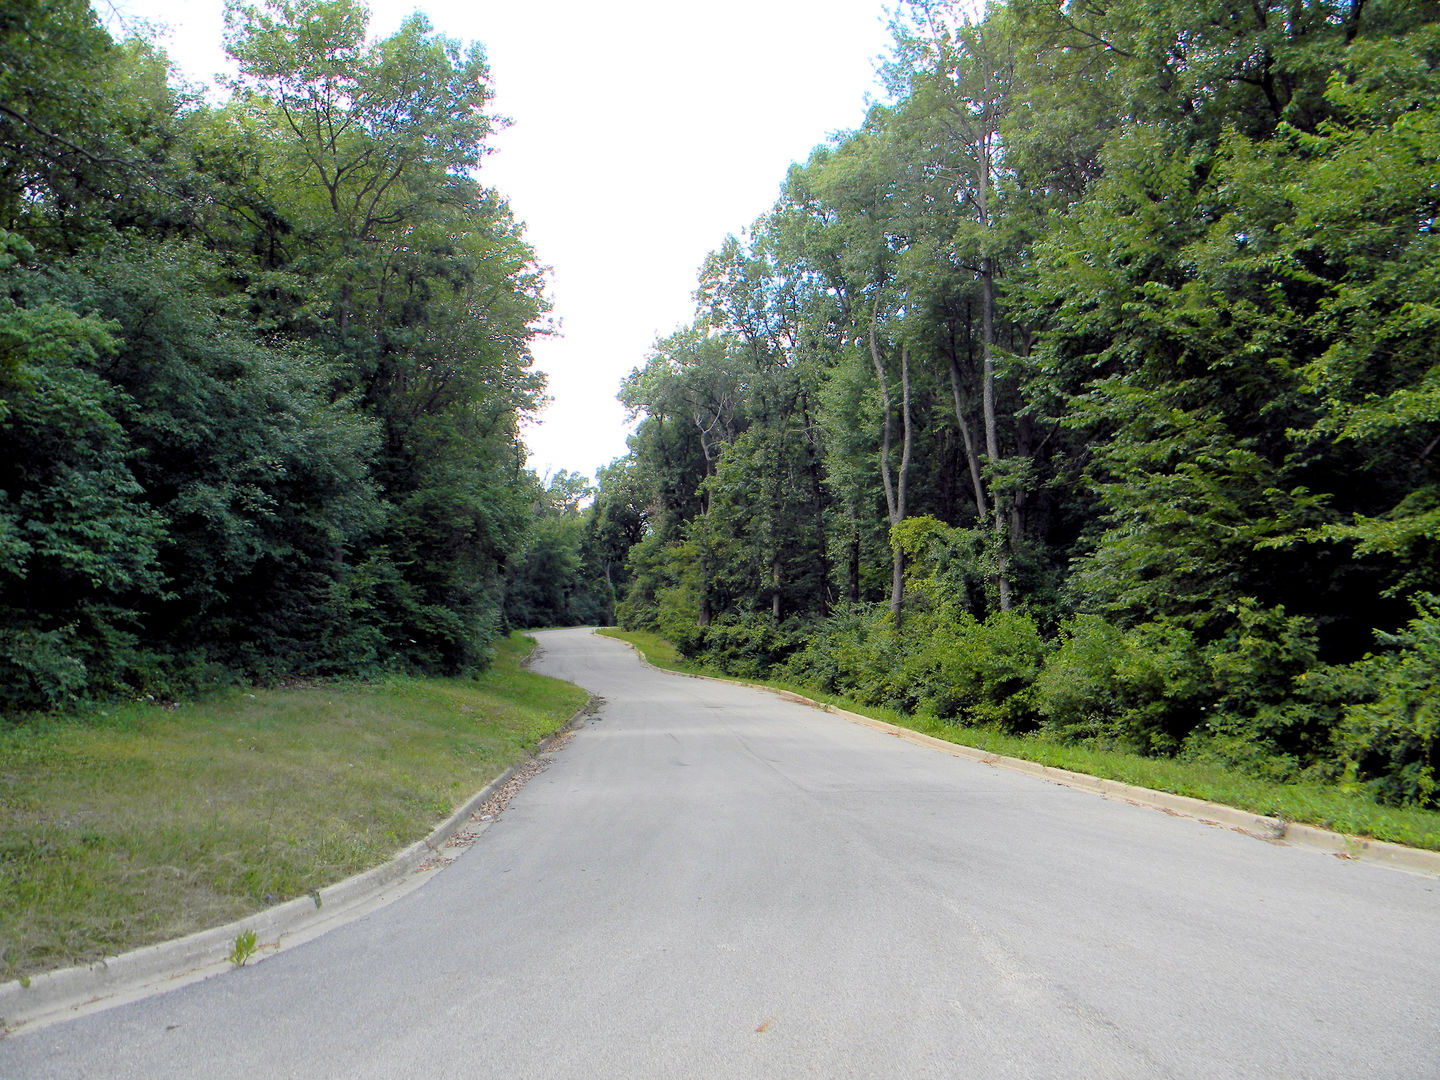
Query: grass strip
(1324,805)
(136,823)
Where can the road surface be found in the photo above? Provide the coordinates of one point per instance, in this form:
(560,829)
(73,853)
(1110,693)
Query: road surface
(711,882)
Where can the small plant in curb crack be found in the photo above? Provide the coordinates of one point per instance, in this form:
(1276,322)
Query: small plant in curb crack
(244,948)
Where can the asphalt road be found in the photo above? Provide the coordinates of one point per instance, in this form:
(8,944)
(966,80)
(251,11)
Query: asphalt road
(711,882)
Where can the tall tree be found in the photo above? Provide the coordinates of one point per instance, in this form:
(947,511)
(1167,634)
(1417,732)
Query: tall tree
(430,294)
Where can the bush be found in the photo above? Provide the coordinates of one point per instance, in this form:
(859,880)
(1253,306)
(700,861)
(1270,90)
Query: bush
(1390,743)
(39,669)
(947,664)
(676,618)
(959,668)
(1142,689)
(854,653)
(749,646)
(1078,691)
(1259,704)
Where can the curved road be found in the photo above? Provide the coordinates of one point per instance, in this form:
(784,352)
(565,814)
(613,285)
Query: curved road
(711,882)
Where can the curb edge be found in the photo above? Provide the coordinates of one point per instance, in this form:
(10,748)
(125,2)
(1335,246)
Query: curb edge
(1271,829)
(63,994)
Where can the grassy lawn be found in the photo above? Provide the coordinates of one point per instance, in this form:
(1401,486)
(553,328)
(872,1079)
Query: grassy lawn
(136,823)
(657,650)
(1313,804)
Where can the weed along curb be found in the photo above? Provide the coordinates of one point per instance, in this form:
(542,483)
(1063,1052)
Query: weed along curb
(61,995)
(1273,830)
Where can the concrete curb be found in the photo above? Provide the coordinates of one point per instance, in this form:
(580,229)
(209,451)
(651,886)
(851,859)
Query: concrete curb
(1271,829)
(70,992)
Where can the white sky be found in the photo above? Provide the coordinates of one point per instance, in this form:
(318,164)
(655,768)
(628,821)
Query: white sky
(644,132)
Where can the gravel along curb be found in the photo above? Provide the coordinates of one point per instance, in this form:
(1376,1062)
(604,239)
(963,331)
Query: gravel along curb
(70,992)
(1270,829)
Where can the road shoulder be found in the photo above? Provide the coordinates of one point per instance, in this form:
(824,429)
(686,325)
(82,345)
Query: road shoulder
(55,996)
(1272,830)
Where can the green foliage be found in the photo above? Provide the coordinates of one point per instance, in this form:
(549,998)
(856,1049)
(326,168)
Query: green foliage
(263,364)
(947,565)
(1255,667)
(558,580)
(262,478)
(677,616)
(1140,689)
(855,653)
(243,948)
(950,665)
(1112,338)
(1364,194)
(1391,741)
(77,547)
(979,672)
(541,583)
(63,131)
(750,646)
(1078,691)
(663,594)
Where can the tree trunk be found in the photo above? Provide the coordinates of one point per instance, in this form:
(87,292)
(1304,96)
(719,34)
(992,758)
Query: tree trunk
(853,563)
(987,378)
(817,509)
(972,459)
(775,585)
(704,612)
(894,487)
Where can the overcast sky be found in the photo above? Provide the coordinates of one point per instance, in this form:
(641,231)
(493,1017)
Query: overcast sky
(644,131)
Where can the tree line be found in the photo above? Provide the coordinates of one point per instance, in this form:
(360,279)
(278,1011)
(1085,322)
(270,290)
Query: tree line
(1089,386)
(264,356)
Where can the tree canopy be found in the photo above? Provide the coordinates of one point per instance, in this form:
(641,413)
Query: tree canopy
(1088,385)
(265,360)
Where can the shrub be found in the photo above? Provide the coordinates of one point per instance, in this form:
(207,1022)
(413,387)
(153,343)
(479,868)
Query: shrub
(675,618)
(855,653)
(1078,691)
(1255,668)
(981,672)
(1142,688)
(1391,742)
(749,646)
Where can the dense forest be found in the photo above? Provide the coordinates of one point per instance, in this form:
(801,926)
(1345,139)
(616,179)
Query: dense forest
(1090,387)
(263,360)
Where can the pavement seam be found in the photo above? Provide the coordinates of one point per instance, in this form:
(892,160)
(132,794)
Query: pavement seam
(54,996)
(1270,829)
